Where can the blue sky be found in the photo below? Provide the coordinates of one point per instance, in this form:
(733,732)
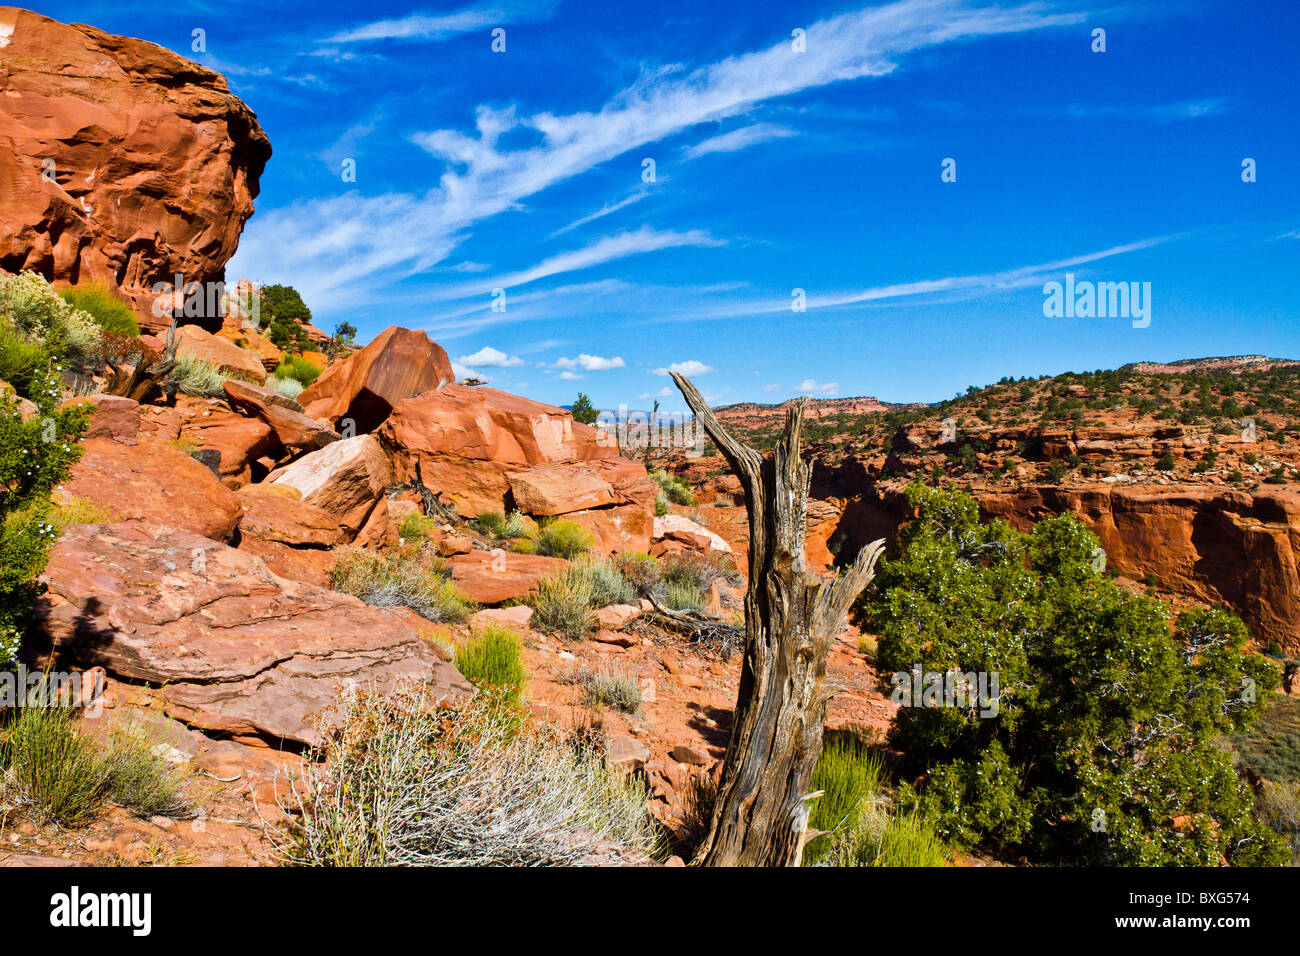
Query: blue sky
(774,170)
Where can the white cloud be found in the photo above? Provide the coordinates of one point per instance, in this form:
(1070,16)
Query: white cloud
(592,363)
(491,358)
(444,26)
(464,371)
(664,392)
(570,377)
(772,389)
(810,386)
(982,283)
(600,213)
(739,139)
(608,249)
(688,368)
(332,249)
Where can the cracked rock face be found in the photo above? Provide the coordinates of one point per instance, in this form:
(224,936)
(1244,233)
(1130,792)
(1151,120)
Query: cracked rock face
(120,161)
(236,648)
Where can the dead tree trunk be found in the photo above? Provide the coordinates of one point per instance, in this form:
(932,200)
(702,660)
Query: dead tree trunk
(791,619)
(148,378)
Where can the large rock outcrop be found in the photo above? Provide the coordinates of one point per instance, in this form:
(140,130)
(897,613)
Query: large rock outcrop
(120,161)
(363,388)
(237,649)
(470,440)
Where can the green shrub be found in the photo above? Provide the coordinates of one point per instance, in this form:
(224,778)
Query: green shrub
(35,457)
(606,582)
(563,603)
(1166,462)
(849,772)
(196,376)
(562,538)
(699,569)
(143,781)
(415,527)
(1101,699)
(418,580)
(288,387)
(608,688)
(640,571)
(110,313)
(57,769)
(496,525)
(1279,808)
(683,596)
(23,364)
(494,658)
(673,487)
(34,311)
(298,369)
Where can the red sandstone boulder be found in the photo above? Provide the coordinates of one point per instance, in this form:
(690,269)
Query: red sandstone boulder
(294,430)
(240,441)
(239,650)
(292,537)
(346,478)
(490,577)
(470,440)
(398,364)
(155,162)
(558,488)
(154,483)
(114,417)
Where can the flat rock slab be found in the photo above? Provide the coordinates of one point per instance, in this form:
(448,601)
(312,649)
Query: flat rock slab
(237,648)
(490,577)
(155,483)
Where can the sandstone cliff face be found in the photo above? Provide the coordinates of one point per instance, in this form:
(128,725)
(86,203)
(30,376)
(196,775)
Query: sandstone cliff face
(120,162)
(1215,545)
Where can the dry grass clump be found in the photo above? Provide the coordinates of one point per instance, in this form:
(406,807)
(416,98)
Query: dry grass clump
(608,687)
(403,781)
(414,578)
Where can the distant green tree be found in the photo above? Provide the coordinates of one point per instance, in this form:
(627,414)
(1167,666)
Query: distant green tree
(343,337)
(1100,749)
(284,314)
(583,411)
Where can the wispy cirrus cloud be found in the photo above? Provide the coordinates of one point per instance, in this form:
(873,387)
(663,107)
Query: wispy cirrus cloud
(371,236)
(899,292)
(1161,112)
(444,26)
(608,249)
(738,139)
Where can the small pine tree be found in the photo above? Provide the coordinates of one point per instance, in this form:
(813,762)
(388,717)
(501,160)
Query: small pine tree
(583,411)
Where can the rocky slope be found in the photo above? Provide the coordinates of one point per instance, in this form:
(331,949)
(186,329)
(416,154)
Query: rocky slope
(120,162)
